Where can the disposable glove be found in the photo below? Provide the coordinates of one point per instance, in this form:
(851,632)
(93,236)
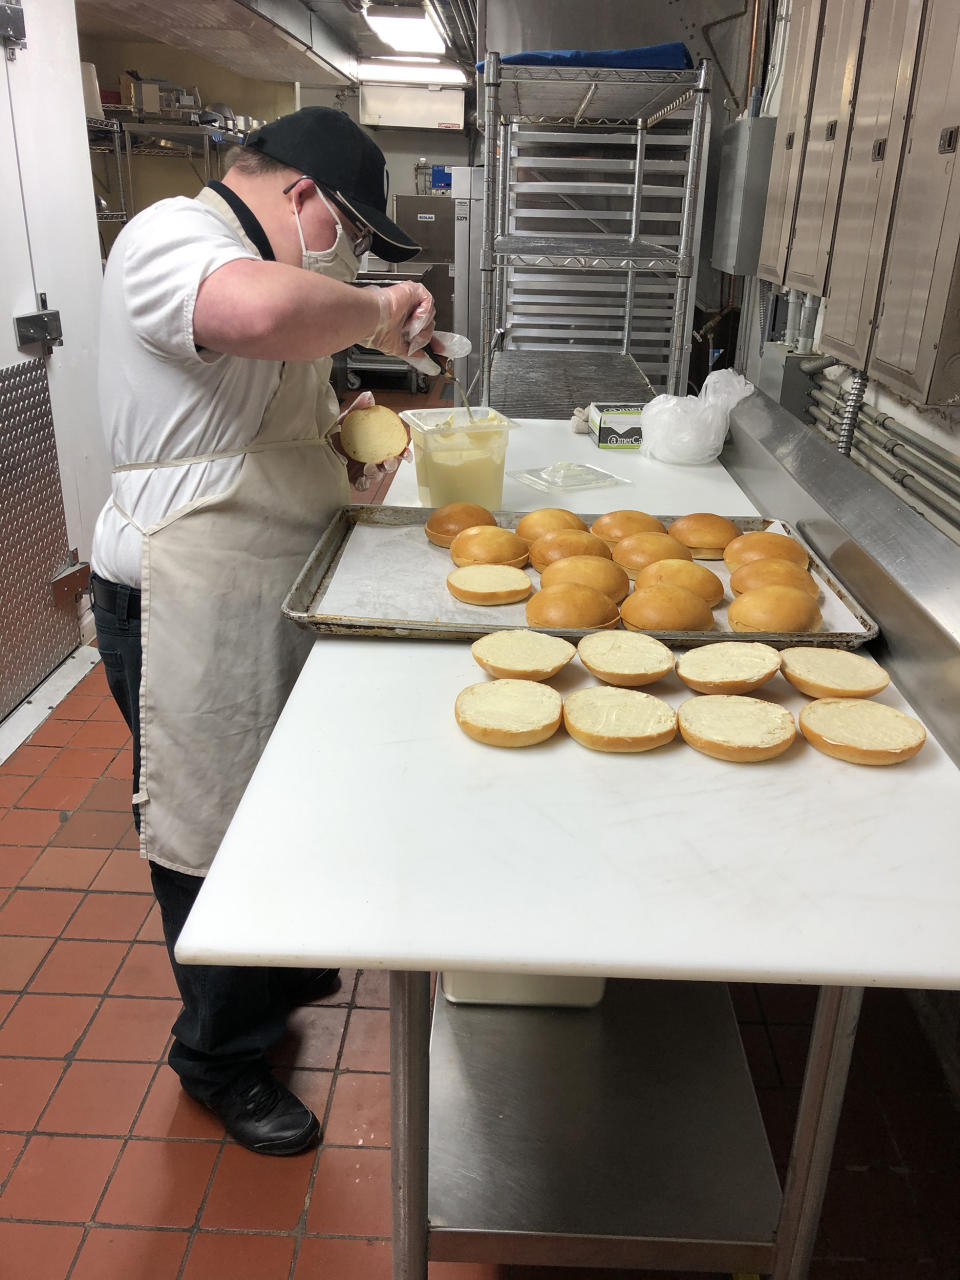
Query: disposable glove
(406,319)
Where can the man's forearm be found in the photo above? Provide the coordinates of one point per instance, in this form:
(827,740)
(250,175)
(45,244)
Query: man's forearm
(269,311)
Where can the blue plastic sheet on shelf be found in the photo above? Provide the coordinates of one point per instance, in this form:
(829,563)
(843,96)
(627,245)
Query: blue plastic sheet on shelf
(672,56)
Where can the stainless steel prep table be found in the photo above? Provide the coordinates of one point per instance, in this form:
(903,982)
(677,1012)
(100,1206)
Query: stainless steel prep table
(559,860)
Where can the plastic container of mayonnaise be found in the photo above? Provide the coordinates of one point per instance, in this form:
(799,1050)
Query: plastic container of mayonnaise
(459,454)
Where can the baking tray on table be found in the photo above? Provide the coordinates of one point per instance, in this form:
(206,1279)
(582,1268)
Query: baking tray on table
(374,573)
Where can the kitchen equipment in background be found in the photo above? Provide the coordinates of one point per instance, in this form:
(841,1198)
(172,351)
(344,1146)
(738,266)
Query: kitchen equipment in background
(466,188)
(92,107)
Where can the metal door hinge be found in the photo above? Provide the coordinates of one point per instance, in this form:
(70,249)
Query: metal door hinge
(70,581)
(13,32)
(42,326)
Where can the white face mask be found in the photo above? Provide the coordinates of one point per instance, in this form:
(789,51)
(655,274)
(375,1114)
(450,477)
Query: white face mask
(339,261)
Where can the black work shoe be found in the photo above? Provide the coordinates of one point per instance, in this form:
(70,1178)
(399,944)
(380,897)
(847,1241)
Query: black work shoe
(261,1113)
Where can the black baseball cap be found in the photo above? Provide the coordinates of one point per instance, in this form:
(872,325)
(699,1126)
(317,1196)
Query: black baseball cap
(328,147)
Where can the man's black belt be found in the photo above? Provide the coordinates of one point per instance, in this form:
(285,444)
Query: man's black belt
(115,597)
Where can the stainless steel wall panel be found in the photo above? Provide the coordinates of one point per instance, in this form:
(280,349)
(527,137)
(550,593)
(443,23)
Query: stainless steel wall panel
(827,131)
(915,345)
(869,182)
(803,48)
(35,635)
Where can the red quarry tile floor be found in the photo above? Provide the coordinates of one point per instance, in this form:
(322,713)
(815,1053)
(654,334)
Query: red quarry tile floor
(109,1172)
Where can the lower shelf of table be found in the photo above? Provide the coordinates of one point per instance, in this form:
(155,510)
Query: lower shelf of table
(625,1135)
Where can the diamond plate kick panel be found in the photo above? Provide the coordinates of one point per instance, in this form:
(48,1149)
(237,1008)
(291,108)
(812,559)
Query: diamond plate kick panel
(35,636)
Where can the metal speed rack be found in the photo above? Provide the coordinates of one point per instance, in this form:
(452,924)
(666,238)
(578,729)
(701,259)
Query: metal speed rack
(593,198)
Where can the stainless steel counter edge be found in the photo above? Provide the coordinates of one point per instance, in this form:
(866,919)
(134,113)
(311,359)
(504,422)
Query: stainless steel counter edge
(905,572)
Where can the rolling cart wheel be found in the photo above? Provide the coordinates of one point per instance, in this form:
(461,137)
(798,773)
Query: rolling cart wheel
(353,380)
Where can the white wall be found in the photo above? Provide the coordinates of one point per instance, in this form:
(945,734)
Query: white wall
(48,112)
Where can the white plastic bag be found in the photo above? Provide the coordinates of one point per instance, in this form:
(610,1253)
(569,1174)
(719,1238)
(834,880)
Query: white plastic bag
(690,430)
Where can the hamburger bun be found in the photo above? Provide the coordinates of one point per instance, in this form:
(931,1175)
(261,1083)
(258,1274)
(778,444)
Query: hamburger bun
(683,573)
(705,534)
(571,605)
(446,522)
(784,609)
(616,525)
(522,655)
(488,544)
(772,573)
(638,550)
(832,673)
(763,546)
(665,608)
(509,713)
(625,658)
(861,732)
(592,571)
(489,584)
(607,719)
(547,520)
(565,542)
(732,666)
(373,434)
(732,728)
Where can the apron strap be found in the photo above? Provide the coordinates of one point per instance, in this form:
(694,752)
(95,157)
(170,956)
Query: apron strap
(256,447)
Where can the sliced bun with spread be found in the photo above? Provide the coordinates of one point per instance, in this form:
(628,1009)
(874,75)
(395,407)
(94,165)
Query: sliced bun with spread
(832,673)
(665,608)
(705,534)
(735,728)
(522,655)
(488,544)
(640,549)
(772,573)
(861,732)
(625,658)
(509,713)
(763,546)
(445,523)
(563,543)
(616,525)
(373,434)
(571,605)
(489,584)
(733,666)
(774,609)
(618,719)
(683,573)
(591,571)
(547,520)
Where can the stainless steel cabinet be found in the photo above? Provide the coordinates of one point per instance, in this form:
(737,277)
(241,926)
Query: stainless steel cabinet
(916,347)
(870,178)
(828,127)
(803,49)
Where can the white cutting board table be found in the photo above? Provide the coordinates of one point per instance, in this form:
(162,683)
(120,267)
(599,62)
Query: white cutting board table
(374,833)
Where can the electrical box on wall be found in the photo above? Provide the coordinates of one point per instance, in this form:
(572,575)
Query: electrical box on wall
(742,194)
(411,106)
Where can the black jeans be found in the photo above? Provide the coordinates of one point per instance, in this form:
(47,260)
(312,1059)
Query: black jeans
(231,1015)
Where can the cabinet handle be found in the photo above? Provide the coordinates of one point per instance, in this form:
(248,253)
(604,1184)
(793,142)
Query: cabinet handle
(788,145)
(879,149)
(948,139)
(831,131)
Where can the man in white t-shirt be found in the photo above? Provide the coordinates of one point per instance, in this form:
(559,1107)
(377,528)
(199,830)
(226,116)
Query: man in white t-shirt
(219,318)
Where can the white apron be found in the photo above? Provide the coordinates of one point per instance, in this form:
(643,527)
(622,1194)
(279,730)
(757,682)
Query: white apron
(219,658)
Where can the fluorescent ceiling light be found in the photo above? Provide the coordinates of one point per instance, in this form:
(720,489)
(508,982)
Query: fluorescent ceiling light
(390,72)
(407,29)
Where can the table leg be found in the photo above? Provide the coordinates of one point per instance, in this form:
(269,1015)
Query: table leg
(824,1082)
(410,1117)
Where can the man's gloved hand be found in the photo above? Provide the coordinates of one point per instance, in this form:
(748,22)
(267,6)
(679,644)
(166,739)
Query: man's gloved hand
(407,314)
(363,474)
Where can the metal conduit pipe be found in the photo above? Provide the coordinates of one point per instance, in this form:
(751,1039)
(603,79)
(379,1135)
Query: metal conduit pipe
(851,408)
(817,364)
(792,331)
(808,323)
(896,428)
(902,452)
(925,499)
(463,24)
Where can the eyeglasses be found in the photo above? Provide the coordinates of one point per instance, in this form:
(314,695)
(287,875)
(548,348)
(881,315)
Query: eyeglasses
(364,241)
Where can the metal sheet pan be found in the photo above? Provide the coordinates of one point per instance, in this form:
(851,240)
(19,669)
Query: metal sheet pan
(374,573)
